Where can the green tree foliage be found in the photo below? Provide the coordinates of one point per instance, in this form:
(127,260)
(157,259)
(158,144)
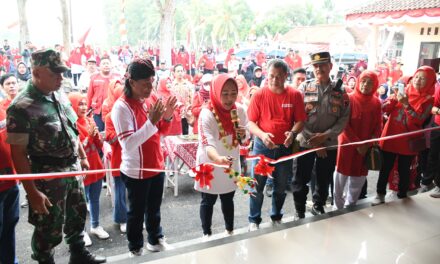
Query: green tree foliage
(142,18)
(281,19)
(219,22)
(214,22)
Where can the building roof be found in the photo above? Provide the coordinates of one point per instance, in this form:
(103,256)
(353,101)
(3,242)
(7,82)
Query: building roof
(396,12)
(323,34)
(312,34)
(380,6)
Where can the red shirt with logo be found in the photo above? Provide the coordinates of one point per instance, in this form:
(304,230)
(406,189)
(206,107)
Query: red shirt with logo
(98,90)
(276,113)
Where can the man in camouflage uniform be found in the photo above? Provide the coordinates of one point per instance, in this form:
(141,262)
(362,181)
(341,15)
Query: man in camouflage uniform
(327,108)
(42,133)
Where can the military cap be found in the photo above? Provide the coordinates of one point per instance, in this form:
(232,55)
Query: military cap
(48,58)
(320,57)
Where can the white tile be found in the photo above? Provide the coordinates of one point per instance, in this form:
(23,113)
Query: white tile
(404,232)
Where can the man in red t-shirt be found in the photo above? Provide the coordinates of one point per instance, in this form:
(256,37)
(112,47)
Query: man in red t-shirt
(276,115)
(98,90)
(182,57)
(207,61)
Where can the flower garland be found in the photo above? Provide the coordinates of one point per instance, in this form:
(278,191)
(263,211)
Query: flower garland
(223,134)
(244,183)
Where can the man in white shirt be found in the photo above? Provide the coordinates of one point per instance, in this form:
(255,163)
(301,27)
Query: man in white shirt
(84,80)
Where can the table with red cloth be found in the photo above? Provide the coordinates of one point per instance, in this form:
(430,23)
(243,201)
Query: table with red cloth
(179,149)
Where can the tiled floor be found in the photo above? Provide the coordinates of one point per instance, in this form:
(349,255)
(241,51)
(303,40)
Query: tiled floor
(405,231)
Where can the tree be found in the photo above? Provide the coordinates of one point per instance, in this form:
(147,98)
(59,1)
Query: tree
(166,11)
(191,19)
(231,21)
(24,29)
(65,21)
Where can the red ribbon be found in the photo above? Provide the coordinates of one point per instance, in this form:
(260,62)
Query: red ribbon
(263,168)
(204,175)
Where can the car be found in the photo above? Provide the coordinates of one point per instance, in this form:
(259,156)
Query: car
(349,58)
(276,53)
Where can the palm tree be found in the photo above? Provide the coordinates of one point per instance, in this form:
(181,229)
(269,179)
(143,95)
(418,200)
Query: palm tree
(194,23)
(226,21)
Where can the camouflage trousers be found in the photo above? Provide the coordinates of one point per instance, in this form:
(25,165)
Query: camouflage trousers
(68,208)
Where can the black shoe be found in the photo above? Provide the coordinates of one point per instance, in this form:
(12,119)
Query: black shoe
(83,256)
(317,209)
(50,261)
(289,187)
(299,215)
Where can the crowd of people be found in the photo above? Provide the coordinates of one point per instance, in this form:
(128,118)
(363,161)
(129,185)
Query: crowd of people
(256,107)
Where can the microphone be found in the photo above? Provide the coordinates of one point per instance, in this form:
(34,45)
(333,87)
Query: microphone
(234,118)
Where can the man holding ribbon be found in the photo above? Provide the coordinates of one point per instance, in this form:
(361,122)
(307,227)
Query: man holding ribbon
(43,136)
(276,115)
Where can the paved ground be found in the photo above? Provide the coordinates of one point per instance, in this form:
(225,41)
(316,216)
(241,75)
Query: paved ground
(180,221)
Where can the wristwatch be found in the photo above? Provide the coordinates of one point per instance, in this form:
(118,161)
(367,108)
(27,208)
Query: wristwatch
(169,119)
(294,133)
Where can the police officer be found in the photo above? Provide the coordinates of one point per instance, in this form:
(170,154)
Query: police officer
(327,109)
(42,132)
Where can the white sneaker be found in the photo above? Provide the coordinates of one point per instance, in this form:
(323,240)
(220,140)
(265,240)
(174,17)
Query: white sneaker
(162,245)
(25,203)
(123,227)
(253,227)
(206,238)
(87,240)
(435,193)
(99,232)
(379,199)
(135,253)
(392,196)
(425,188)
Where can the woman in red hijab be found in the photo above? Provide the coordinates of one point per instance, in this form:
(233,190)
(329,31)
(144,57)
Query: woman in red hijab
(218,143)
(120,207)
(200,99)
(91,140)
(364,123)
(407,112)
(164,92)
(243,89)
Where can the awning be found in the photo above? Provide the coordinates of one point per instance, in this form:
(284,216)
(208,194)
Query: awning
(429,15)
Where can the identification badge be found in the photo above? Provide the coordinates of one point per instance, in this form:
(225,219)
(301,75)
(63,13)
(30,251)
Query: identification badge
(311,89)
(310,97)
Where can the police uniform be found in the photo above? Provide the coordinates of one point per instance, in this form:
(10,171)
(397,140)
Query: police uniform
(328,111)
(46,124)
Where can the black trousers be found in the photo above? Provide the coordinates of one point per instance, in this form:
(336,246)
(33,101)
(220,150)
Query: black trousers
(325,168)
(144,201)
(433,166)
(403,167)
(207,209)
